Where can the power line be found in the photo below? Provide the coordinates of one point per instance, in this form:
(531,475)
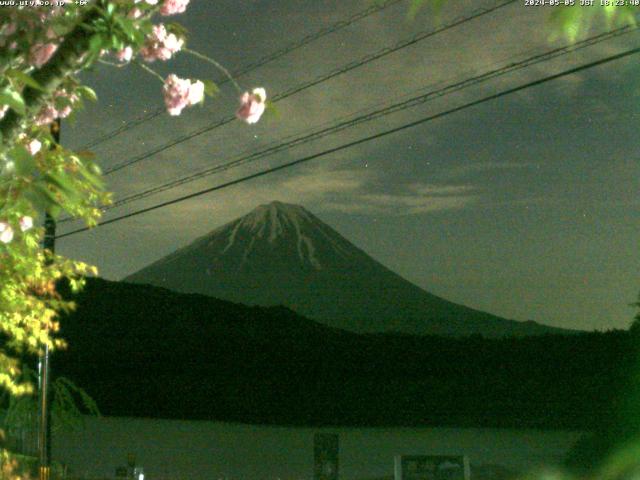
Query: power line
(323,78)
(393,108)
(291,47)
(365,139)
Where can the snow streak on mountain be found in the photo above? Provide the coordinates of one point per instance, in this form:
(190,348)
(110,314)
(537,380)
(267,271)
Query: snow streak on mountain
(281,254)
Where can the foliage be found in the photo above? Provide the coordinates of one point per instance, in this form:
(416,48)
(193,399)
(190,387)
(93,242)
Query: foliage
(43,176)
(13,466)
(68,403)
(22,467)
(43,48)
(567,18)
(571,21)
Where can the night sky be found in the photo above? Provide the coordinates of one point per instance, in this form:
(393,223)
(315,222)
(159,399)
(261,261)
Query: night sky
(526,207)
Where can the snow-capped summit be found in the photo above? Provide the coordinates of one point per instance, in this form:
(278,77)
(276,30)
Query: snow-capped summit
(282,254)
(273,237)
(276,215)
(282,223)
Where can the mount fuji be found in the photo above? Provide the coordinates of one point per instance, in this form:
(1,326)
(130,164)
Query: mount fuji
(281,254)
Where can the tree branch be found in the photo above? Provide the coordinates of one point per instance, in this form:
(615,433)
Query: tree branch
(63,63)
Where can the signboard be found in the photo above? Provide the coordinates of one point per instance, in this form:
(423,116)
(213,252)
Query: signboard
(432,467)
(325,456)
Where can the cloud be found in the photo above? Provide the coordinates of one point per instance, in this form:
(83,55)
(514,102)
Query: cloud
(354,191)
(309,187)
(440,190)
(360,191)
(474,168)
(417,198)
(324,183)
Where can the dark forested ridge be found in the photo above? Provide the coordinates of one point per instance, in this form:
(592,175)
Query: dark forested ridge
(146,351)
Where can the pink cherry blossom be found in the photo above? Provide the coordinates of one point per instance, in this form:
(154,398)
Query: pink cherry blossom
(172,44)
(49,113)
(180,93)
(65,112)
(40,53)
(46,115)
(71,98)
(135,13)
(158,32)
(252,105)
(26,223)
(125,54)
(196,92)
(34,146)
(176,94)
(172,7)
(6,232)
(160,45)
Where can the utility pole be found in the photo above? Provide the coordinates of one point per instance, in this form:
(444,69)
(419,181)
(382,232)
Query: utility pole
(44,401)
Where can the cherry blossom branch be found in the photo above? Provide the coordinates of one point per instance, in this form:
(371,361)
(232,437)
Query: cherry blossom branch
(62,64)
(215,64)
(112,64)
(150,71)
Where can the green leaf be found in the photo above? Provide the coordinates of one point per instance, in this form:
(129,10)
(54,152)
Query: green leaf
(55,211)
(95,44)
(568,21)
(40,197)
(210,88)
(93,178)
(627,15)
(62,181)
(272,110)
(23,160)
(62,102)
(87,92)
(14,100)
(23,78)
(72,119)
(128,27)
(177,29)
(138,36)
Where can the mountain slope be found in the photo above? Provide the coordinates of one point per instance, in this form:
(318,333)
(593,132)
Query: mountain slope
(281,254)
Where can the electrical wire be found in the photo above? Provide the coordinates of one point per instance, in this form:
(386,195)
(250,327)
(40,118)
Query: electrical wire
(323,78)
(393,108)
(369,138)
(291,47)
